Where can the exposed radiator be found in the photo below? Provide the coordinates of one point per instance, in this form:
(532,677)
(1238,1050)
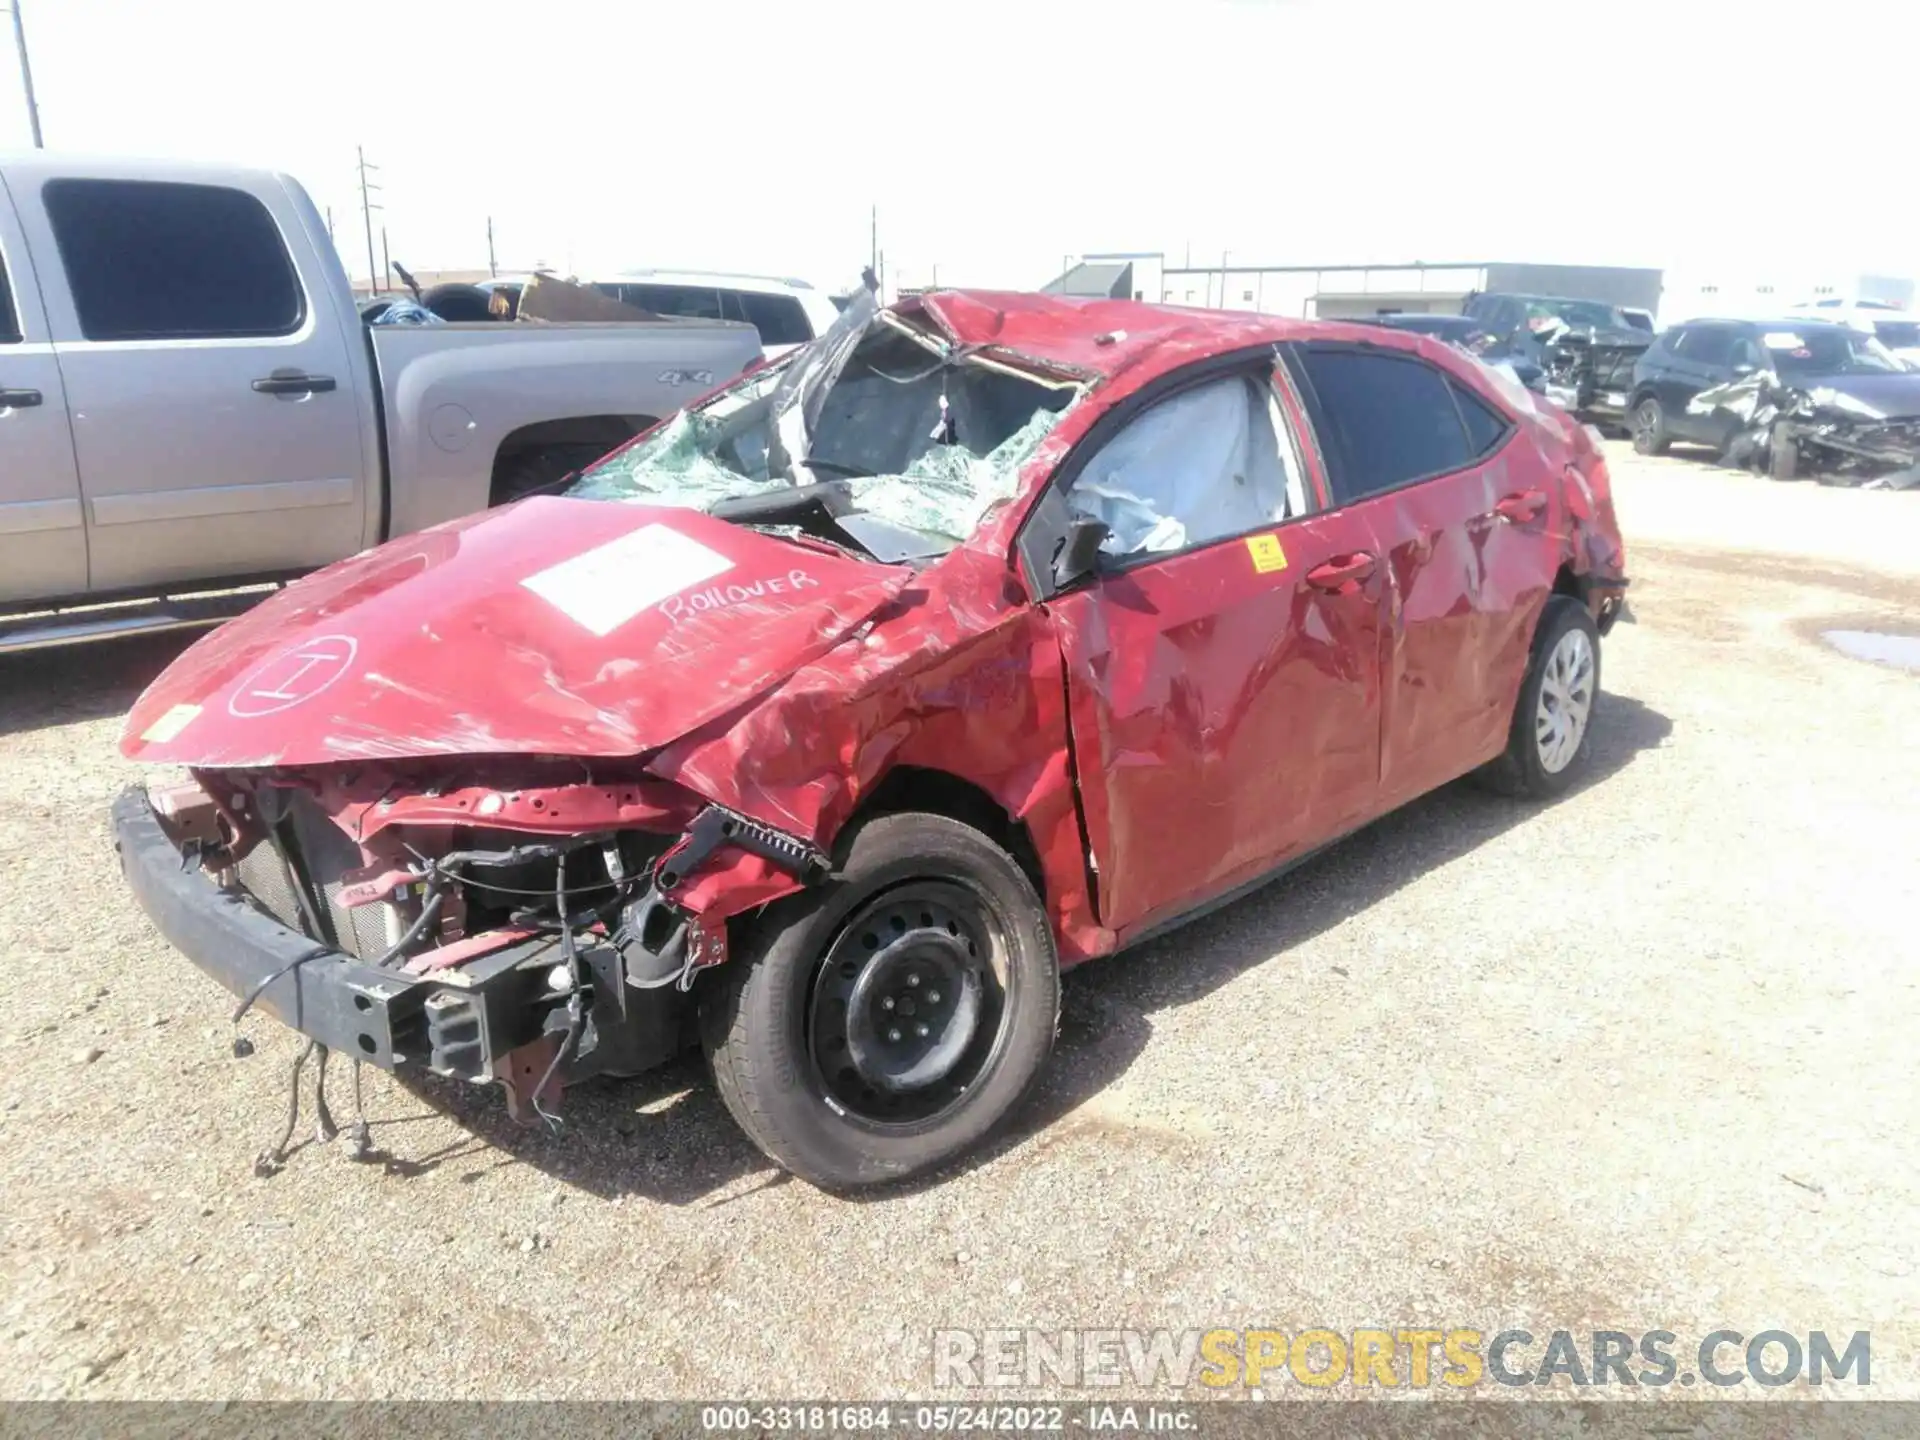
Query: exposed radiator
(318,851)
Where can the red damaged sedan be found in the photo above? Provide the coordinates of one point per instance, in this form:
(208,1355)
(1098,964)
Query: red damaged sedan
(826,722)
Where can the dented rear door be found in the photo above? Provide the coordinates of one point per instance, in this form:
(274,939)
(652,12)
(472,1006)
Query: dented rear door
(1467,514)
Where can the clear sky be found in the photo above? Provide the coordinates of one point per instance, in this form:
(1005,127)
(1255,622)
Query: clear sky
(997,137)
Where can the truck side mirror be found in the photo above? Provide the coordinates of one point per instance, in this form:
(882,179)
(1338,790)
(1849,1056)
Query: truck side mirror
(1078,551)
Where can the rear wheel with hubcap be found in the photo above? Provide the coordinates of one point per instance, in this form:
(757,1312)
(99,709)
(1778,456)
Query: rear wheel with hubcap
(883,1022)
(1550,738)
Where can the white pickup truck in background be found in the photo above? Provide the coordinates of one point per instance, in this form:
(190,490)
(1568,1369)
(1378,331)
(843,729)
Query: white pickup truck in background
(189,399)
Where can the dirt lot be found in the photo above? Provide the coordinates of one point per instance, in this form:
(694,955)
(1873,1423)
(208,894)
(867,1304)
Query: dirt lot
(1642,1059)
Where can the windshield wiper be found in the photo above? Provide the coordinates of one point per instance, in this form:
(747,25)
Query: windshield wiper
(830,497)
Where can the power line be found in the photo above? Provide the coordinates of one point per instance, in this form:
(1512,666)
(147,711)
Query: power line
(367,207)
(26,75)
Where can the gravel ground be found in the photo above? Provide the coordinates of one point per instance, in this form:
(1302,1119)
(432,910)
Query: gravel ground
(1643,1059)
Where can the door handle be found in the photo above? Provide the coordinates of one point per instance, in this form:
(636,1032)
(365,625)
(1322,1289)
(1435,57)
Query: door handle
(293,384)
(19,399)
(1341,571)
(1518,509)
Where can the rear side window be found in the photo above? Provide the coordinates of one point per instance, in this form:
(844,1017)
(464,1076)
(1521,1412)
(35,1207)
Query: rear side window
(156,261)
(1486,427)
(9,320)
(696,302)
(1384,420)
(1708,345)
(778,318)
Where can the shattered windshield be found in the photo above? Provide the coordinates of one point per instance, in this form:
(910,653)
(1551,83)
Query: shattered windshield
(1829,351)
(874,419)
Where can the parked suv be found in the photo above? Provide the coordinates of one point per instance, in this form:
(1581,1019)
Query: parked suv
(787,313)
(1701,355)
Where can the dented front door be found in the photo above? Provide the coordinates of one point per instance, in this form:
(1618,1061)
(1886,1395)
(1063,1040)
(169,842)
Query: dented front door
(1225,711)
(1224,704)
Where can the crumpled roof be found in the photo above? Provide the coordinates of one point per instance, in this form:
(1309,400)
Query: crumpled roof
(1065,330)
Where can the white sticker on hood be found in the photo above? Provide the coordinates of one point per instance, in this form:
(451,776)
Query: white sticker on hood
(607,586)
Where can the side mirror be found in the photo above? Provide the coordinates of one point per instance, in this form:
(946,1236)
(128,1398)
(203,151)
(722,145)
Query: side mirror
(1078,551)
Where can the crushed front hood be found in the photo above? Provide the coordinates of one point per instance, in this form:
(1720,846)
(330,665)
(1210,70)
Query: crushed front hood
(1894,396)
(553,627)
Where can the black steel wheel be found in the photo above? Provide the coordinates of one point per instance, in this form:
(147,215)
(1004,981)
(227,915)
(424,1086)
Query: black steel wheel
(908,1003)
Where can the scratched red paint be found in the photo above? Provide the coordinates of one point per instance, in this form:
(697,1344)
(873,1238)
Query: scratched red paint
(1129,726)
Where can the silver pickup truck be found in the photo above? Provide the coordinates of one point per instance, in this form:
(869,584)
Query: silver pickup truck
(190,402)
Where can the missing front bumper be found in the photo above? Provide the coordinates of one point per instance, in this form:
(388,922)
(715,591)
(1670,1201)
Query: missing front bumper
(458,1022)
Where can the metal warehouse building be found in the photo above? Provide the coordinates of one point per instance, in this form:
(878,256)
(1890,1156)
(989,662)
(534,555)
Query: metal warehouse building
(1337,291)
(1334,291)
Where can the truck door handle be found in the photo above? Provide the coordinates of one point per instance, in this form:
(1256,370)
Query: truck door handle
(1341,571)
(19,399)
(293,383)
(1520,508)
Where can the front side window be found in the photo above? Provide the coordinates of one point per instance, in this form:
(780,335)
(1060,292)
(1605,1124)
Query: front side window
(147,260)
(1384,420)
(1203,465)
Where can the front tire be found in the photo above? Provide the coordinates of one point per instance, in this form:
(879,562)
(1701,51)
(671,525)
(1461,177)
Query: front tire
(1783,456)
(1649,425)
(518,475)
(1550,739)
(884,1022)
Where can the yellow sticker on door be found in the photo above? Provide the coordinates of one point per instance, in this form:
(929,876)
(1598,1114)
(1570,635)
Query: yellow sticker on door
(1267,554)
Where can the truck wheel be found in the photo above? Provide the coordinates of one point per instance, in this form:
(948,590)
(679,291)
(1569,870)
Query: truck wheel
(883,1022)
(1783,456)
(521,473)
(1649,425)
(1551,738)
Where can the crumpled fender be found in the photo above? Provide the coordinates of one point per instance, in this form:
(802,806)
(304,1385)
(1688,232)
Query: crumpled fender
(958,677)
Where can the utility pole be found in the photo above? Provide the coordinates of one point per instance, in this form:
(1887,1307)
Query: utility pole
(386,257)
(873,242)
(492,269)
(367,207)
(26,75)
